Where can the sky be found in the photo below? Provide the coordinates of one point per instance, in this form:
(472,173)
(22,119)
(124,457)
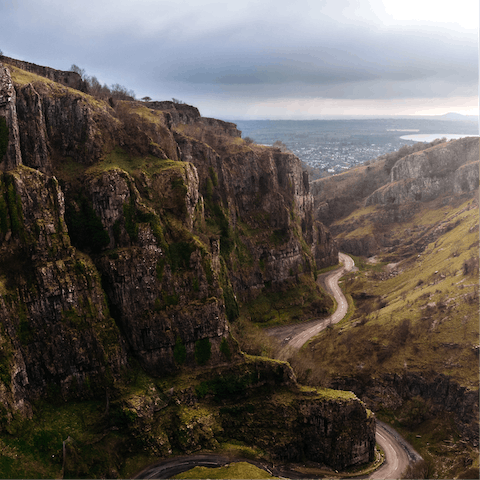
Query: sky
(263,59)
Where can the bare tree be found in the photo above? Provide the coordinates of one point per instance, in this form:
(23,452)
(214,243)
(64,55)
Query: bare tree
(77,69)
(280,145)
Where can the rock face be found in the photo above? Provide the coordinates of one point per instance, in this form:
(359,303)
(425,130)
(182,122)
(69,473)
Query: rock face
(445,168)
(57,334)
(444,171)
(69,79)
(159,219)
(10,155)
(258,403)
(439,393)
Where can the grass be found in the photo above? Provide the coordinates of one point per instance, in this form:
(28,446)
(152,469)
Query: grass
(119,158)
(153,116)
(34,449)
(434,276)
(22,77)
(328,393)
(299,302)
(233,470)
(415,313)
(430,294)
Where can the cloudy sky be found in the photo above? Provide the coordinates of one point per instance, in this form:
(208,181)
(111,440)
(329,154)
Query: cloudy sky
(263,58)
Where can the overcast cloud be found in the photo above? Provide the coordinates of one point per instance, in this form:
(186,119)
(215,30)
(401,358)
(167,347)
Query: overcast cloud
(262,58)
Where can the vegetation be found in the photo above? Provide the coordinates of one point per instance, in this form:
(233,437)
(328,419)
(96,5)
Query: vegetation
(203,351)
(233,470)
(97,90)
(4,133)
(411,317)
(411,312)
(84,226)
(179,351)
(296,301)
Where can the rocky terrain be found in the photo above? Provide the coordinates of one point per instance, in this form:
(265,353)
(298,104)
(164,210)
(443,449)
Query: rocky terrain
(359,205)
(130,235)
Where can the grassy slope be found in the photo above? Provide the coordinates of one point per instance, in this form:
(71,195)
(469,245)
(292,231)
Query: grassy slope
(417,314)
(429,315)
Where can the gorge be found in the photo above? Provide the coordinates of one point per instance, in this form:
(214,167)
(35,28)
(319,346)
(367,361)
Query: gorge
(138,239)
(130,232)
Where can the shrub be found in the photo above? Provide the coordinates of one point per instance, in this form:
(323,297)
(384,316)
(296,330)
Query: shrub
(85,227)
(180,255)
(5,376)
(213,176)
(419,469)
(225,349)
(131,226)
(15,209)
(3,215)
(179,351)
(203,351)
(470,266)
(3,137)
(25,332)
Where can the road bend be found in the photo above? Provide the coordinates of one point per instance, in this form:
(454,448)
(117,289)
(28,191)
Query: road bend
(398,453)
(295,336)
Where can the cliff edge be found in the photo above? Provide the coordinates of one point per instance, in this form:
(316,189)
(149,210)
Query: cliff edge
(129,234)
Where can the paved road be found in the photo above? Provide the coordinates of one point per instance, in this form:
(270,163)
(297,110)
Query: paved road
(295,336)
(398,453)
(170,468)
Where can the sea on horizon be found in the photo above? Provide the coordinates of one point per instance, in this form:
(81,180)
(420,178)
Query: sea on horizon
(333,146)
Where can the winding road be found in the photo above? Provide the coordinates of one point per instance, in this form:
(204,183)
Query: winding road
(295,336)
(398,453)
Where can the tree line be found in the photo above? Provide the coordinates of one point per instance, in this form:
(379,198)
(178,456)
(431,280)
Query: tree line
(103,92)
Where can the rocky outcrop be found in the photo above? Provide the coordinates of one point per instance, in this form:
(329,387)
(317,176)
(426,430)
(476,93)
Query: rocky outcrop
(69,79)
(438,393)
(178,113)
(57,335)
(258,403)
(10,154)
(159,220)
(269,191)
(466,178)
(138,251)
(425,175)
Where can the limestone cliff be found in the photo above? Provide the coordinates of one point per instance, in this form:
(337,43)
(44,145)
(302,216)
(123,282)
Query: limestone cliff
(446,168)
(385,192)
(129,232)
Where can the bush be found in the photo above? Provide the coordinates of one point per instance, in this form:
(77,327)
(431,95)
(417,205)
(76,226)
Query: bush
(85,227)
(180,253)
(470,266)
(179,351)
(203,351)
(225,349)
(3,216)
(419,469)
(3,137)
(15,209)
